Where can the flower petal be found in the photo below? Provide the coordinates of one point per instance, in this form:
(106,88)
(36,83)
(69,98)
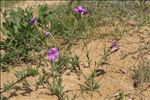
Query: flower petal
(52,57)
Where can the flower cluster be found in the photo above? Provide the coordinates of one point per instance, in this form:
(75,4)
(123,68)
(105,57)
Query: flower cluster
(53,53)
(33,21)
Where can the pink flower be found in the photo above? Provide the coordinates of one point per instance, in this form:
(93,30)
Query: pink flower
(53,53)
(46,33)
(81,10)
(33,21)
(114,45)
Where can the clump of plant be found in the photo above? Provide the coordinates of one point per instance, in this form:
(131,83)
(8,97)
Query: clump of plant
(23,35)
(52,78)
(107,52)
(142,74)
(90,83)
(21,78)
(26,32)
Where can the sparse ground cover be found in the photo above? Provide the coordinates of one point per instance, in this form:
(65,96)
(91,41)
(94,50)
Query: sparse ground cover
(80,50)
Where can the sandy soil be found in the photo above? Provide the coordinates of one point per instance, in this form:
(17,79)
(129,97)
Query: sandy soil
(117,77)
